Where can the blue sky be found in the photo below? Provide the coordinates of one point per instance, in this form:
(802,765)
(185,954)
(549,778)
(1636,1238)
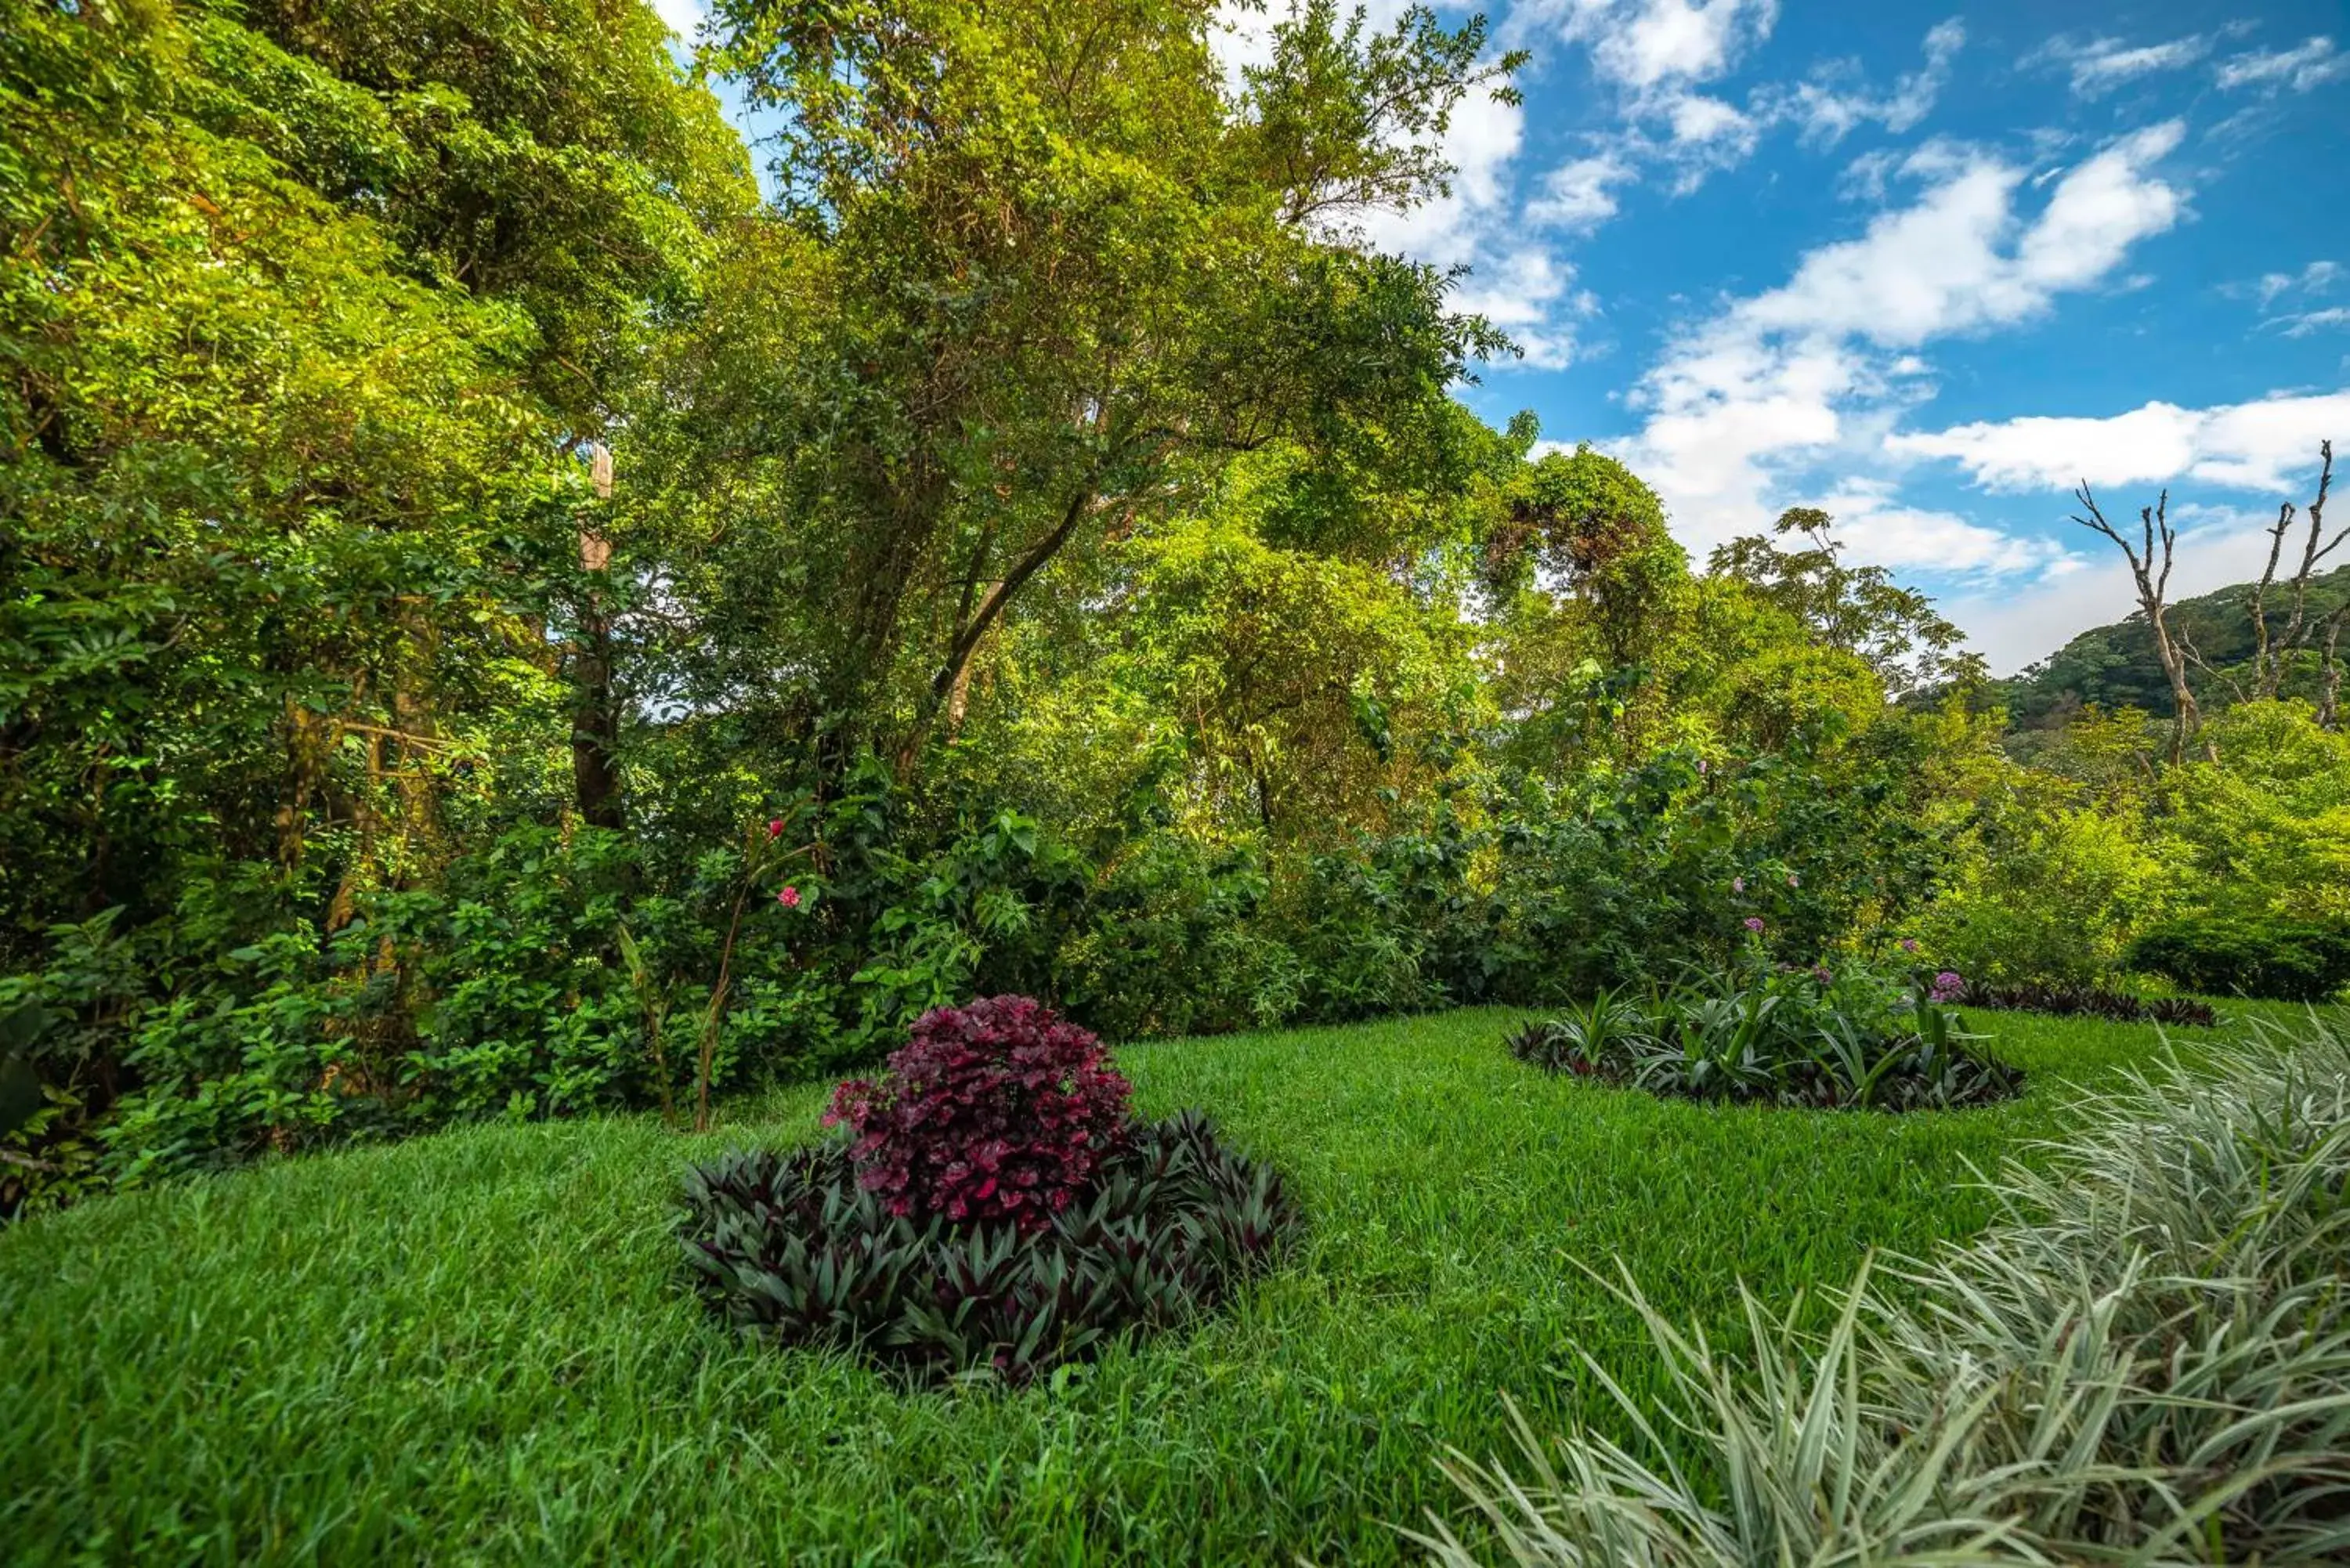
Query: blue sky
(1925,265)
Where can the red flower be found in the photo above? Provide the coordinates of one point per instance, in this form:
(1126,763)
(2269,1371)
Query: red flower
(776,827)
(789,898)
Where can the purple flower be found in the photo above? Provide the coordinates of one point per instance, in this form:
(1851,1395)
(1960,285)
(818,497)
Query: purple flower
(1701,768)
(1908,944)
(1820,972)
(1949,986)
(1755,924)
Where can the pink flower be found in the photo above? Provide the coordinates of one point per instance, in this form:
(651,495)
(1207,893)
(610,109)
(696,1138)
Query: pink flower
(1738,884)
(789,898)
(1701,768)
(776,827)
(1755,924)
(1793,881)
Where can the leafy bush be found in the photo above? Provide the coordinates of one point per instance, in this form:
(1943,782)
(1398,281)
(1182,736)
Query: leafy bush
(1174,944)
(2089,1000)
(1849,1038)
(2049,894)
(2148,1362)
(997,1110)
(800,1248)
(2283,960)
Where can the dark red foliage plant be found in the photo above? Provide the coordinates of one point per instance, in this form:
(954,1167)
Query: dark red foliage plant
(996,1110)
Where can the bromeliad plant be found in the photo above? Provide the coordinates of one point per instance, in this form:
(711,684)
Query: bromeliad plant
(993,1209)
(1852,1037)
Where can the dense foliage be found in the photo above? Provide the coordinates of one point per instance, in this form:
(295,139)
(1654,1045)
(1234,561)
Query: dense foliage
(1852,1038)
(2149,1360)
(2285,960)
(804,1248)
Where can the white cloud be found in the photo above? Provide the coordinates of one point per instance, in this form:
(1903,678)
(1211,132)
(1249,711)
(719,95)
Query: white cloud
(1696,117)
(1877,530)
(2310,321)
(1828,112)
(1532,297)
(1819,370)
(1519,286)
(2306,65)
(1580,194)
(2097,65)
(680,16)
(2267,445)
(1644,44)
(1954,262)
(1481,142)
(1659,53)
(2314,279)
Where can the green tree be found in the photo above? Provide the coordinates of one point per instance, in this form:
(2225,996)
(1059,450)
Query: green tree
(1045,275)
(1858,609)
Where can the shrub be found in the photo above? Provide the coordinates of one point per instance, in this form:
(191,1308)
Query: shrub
(1853,1037)
(2282,961)
(2052,895)
(2089,1000)
(796,1248)
(994,1111)
(2148,1361)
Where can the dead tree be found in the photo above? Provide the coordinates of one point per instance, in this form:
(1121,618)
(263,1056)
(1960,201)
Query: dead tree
(2274,654)
(2273,657)
(2329,671)
(2152,576)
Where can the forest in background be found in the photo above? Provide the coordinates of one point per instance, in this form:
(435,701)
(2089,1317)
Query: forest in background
(499,619)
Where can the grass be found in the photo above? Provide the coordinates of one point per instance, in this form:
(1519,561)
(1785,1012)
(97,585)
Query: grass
(475,1347)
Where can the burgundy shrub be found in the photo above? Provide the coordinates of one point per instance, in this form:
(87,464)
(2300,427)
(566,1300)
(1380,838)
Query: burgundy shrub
(997,1110)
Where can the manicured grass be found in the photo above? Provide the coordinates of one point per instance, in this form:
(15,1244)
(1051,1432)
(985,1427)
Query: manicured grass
(476,1346)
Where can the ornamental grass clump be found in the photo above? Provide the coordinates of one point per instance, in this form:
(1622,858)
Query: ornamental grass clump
(993,1209)
(2147,1360)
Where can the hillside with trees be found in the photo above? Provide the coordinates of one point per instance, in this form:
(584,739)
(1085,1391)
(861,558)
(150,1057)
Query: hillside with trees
(2115,666)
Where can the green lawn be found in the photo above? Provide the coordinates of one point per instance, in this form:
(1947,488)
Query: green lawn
(474,1346)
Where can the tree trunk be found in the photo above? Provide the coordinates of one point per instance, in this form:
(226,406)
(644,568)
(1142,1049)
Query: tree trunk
(596,721)
(952,674)
(2329,690)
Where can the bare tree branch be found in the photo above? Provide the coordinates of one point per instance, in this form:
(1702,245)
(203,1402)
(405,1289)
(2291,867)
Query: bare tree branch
(2153,581)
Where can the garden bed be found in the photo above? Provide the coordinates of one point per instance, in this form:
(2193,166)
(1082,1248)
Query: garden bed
(1853,1037)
